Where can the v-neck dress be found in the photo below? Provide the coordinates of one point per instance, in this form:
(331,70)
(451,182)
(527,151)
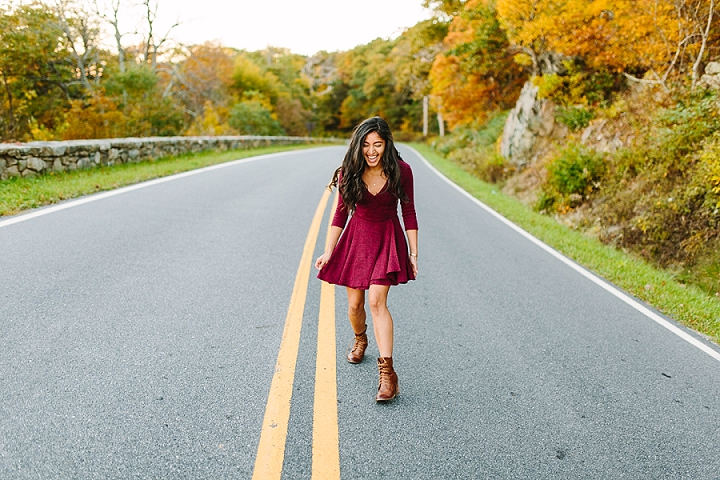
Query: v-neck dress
(372,248)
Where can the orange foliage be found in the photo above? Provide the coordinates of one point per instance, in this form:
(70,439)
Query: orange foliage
(99,117)
(620,35)
(207,75)
(476,75)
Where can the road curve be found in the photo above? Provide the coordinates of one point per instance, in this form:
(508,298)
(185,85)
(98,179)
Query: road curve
(140,334)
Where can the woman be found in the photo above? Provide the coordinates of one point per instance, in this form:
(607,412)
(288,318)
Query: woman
(372,253)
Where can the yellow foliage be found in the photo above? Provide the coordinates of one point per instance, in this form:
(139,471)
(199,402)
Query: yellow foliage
(615,34)
(710,166)
(99,118)
(476,75)
(41,133)
(212,122)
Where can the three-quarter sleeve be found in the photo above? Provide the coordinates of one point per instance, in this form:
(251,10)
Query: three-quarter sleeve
(408,208)
(341,213)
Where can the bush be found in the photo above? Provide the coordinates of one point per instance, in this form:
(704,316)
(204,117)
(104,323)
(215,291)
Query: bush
(575,118)
(572,177)
(251,117)
(475,148)
(664,194)
(577,92)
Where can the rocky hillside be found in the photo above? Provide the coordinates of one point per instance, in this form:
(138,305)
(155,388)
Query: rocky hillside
(642,173)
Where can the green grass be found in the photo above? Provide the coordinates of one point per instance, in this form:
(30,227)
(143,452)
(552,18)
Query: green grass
(18,194)
(685,303)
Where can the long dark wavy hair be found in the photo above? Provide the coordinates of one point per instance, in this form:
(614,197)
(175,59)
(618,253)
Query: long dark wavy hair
(351,184)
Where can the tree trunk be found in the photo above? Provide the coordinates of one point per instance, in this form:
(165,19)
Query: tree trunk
(705,34)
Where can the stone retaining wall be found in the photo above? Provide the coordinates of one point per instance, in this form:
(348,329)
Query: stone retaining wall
(23,159)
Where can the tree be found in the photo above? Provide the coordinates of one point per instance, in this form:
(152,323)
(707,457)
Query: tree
(409,63)
(249,76)
(80,35)
(205,75)
(251,117)
(449,8)
(35,69)
(152,41)
(112,19)
(650,41)
(476,75)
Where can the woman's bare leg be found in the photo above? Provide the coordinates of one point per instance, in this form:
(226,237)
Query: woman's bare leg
(382,320)
(356,309)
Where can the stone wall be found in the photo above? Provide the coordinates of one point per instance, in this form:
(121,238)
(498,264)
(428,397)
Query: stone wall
(23,159)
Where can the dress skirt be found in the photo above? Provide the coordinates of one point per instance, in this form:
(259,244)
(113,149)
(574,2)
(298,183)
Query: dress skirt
(369,253)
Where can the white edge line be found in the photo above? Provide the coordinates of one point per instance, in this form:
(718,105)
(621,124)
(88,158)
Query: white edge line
(100,196)
(581,270)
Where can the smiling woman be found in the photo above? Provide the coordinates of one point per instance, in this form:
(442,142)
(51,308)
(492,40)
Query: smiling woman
(372,253)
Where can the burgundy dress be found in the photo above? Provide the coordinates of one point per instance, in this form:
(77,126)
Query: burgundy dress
(372,248)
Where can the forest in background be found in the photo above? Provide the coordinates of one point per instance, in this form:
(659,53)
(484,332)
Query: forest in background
(634,68)
(70,69)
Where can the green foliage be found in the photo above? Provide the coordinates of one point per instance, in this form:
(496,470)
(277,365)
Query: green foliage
(575,118)
(679,130)
(665,198)
(36,74)
(133,84)
(251,77)
(475,148)
(275,75)
(572,177)
(251,117)
(577,92)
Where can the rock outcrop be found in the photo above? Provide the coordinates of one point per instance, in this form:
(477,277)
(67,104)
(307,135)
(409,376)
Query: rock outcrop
(529,127)
(711,78)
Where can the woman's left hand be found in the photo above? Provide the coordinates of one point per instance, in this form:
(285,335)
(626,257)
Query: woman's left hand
(414,264)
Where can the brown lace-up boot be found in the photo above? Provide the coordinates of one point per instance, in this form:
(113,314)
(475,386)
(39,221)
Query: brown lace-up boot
(360,343)
(388,387)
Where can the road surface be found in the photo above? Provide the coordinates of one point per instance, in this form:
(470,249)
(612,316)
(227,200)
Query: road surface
(142,330)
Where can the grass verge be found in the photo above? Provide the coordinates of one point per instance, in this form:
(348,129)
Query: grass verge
(18,194)
(687,304)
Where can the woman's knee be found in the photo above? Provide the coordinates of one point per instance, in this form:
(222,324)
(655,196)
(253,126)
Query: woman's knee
(355,309)
(356,302)
(378,302)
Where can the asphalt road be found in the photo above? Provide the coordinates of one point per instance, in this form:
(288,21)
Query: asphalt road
(140,334)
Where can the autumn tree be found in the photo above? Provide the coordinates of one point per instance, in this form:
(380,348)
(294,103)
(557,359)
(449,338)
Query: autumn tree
(36,71)
(204,81)
(449,8)
(326,90)
(80,36)
(649,41)
(476,75)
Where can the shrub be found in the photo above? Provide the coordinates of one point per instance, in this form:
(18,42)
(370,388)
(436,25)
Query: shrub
(577,92)
(251,117)
(664,194)
(475,148)
(575,172)
(575,118)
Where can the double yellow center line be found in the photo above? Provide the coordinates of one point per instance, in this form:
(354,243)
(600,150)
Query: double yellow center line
(271,449)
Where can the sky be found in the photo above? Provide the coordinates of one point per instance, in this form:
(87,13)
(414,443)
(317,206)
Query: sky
(305,27)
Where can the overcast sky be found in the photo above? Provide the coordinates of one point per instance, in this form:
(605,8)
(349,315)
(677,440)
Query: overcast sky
(305,27)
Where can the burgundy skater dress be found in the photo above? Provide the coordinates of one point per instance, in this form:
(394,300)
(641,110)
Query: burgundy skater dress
(372,248)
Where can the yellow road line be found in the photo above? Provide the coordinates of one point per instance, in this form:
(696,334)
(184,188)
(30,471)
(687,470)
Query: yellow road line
(271,449)
(326,445)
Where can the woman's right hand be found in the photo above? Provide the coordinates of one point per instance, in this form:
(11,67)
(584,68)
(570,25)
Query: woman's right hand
(322,260)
